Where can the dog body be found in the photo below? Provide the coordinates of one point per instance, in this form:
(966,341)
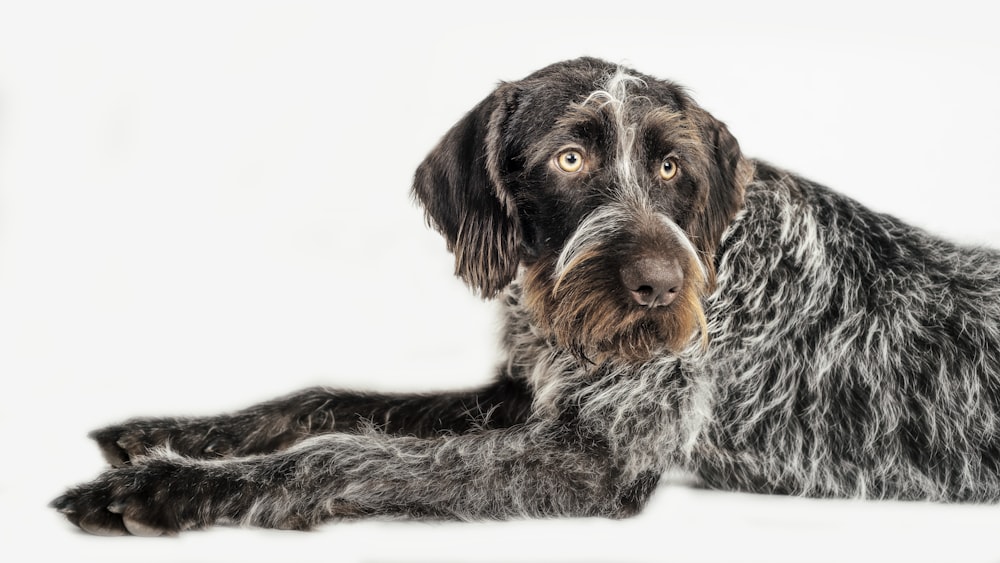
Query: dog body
(668,304)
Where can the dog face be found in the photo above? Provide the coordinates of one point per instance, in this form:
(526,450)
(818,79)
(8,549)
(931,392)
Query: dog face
(609,188)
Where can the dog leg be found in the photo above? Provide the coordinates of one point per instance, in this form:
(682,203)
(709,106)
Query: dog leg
(277,424)
(534,469)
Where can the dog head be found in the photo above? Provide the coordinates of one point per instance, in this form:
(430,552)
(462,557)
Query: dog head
(611,189)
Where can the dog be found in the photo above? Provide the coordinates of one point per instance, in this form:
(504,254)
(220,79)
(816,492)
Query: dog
(669,304)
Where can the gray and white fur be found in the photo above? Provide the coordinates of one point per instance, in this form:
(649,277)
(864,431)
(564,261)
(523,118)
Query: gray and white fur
(669,304)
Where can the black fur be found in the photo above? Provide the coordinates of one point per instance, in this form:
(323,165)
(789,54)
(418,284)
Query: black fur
(815,347)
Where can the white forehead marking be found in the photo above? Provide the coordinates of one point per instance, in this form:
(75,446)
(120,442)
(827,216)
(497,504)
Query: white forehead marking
(615,91)
(615,96)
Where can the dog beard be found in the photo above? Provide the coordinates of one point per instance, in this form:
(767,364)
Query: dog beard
(585,310)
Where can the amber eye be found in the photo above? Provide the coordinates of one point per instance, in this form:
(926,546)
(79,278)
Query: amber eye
(669,169)
(570,161)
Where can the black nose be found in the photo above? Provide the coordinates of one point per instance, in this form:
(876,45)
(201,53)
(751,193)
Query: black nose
(653,282)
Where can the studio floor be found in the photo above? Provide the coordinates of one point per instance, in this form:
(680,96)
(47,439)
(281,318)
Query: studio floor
(205,205)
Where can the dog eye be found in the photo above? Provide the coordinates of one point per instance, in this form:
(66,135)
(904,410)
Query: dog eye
(669,169)
(570,161)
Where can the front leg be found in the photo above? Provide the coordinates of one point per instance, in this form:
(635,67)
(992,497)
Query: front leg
(277,424)
(527,470)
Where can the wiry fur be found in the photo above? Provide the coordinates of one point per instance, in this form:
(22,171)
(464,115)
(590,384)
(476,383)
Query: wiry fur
(816,348)
(854,355)
(575,302)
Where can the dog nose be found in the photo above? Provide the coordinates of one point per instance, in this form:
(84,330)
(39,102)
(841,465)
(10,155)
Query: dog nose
(653,282)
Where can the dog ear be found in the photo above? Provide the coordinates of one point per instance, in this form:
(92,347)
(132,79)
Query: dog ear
(462,188)
(728,174)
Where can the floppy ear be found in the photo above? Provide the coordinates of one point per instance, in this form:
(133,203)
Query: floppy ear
(728,175)
(461,186)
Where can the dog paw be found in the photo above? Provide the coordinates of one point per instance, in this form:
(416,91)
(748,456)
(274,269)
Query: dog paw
(122,444)
(153,499)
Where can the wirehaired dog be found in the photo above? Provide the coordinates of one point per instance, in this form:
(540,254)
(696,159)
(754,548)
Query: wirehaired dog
(669,304)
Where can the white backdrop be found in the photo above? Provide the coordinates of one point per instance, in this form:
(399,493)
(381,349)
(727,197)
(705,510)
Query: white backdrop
(205,204)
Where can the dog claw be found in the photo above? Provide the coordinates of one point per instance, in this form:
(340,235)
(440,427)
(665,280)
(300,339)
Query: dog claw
(140,529)
(96,530)
(63,505)
(114,454)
